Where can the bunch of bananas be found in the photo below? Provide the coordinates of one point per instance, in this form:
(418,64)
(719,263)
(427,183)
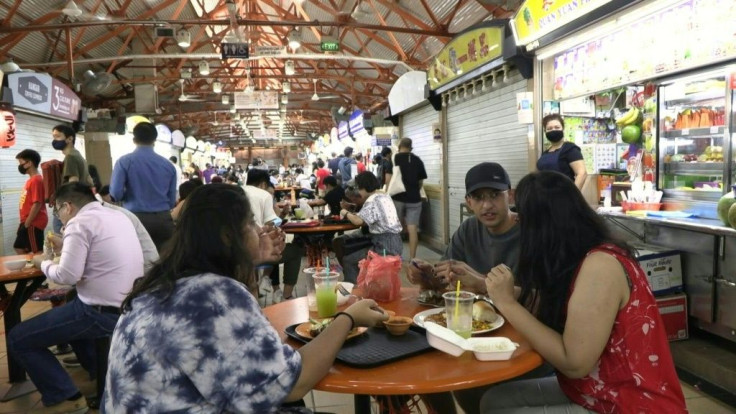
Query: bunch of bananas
(630,117)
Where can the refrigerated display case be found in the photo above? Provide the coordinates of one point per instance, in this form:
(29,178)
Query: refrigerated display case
(693,139)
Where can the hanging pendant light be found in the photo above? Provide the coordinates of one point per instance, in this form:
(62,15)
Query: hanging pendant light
(204,68)
(286,87)
(289,68)
(216,87)
(71,9)
(183,38)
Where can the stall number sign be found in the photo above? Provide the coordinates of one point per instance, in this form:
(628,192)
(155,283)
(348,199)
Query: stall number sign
(41,93)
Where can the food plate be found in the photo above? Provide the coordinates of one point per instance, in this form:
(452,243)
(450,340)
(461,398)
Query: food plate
(421,316)
(303,330)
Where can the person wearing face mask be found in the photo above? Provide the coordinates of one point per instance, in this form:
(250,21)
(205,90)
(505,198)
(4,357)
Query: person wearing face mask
(561,156)
(102,256)
(33,216)
(75,167)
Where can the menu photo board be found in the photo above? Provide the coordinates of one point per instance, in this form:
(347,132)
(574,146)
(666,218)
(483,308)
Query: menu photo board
(465,52)
(41,93)
(685,35)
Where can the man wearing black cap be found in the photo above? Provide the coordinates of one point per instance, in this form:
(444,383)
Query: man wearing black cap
(482,242)
(487,239)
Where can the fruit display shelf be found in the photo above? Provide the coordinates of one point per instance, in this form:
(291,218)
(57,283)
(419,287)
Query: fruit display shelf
(705,132)
(694,168)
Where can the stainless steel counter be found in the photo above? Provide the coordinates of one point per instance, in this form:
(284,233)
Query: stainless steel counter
(707,226)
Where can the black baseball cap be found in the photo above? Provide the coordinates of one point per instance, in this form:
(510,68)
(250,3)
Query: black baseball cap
(487,175)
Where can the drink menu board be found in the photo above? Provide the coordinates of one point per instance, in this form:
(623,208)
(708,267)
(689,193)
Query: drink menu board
(689,34)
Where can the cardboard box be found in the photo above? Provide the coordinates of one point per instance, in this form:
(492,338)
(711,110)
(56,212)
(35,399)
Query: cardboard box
(663,269)
(673,310)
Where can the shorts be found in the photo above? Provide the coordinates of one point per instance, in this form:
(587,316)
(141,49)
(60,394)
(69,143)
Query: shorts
(29,239)
(410,212)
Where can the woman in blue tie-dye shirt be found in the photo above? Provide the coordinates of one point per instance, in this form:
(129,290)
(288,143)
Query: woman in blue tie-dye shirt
(193,339)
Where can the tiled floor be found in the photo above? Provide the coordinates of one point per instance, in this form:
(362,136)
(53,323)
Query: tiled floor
(697,402)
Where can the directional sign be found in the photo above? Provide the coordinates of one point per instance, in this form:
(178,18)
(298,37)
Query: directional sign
(329,46)
(269,50)
(234,50)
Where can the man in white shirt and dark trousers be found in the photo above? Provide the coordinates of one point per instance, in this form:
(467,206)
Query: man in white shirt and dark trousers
(261,204)
(102,256)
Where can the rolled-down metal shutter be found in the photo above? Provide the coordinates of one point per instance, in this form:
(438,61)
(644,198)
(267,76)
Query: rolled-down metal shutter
(32,132)
(481,128)
(418,125)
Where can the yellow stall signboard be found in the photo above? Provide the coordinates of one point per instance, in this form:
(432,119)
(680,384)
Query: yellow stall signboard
(536,18)
(464,53)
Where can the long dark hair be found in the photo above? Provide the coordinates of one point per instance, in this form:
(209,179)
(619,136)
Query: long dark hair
(209,237)
(558,228)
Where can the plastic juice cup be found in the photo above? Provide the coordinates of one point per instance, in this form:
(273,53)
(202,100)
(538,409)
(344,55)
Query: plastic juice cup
(459,309)
(325,295)
(299,213)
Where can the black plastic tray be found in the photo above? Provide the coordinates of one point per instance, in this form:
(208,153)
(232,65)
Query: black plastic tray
(376,346)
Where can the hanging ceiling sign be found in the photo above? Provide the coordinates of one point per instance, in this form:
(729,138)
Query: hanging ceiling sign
(256,100)
(343,131)
(201,146)
(264,134)
(41,93)
(329,46)
(164,133)
(467,51)
(235,50)
(7,127)
(269,50)
(536,18)
(177,139)
(355,123)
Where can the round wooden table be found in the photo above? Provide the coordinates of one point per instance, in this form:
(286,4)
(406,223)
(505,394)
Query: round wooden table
(313,243)
(426,373)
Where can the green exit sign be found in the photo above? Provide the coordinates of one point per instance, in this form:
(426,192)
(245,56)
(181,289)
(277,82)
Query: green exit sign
(330,46)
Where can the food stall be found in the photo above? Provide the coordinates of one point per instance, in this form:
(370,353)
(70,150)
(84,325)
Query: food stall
(654,84)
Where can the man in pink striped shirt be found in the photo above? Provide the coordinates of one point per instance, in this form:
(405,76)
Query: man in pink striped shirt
(102,256)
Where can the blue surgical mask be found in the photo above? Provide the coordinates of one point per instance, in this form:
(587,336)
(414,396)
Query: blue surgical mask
(58,145)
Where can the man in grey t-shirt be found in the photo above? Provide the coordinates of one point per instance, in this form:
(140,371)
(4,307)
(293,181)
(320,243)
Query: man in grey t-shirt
(487,239)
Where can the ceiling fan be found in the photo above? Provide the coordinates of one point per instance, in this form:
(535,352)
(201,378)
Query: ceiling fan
(183,97)
(316,97)
(95,83)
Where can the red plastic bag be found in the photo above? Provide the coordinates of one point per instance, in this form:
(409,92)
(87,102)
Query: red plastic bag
(379,277)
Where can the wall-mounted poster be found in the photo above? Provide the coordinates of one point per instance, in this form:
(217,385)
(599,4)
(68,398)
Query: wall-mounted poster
(550,107)
(436,131)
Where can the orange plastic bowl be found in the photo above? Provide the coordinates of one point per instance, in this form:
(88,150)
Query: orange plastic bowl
(398,325)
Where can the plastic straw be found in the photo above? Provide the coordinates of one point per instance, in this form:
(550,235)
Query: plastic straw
(327,268)
(384,252)
(457,300)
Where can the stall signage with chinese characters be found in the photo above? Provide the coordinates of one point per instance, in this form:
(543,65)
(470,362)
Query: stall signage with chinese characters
(329,46)
(41,93)
(537,18)
(355,123)
(467,51)
(662,47)
(7,128)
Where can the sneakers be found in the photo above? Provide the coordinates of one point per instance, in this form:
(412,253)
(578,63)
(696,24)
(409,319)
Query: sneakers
(62,349)
(77,406)
(71,362)
(278,296)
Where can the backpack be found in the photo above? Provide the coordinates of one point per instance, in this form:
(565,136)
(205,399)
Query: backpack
(52,173)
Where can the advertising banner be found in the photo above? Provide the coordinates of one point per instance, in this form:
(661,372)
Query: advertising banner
(41,93)
(355,123)
(537,18)
(342,131)
(256,100)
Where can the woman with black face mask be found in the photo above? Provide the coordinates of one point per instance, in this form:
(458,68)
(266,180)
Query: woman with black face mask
(561,156)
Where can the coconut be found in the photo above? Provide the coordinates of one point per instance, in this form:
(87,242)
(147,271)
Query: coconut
(724,207)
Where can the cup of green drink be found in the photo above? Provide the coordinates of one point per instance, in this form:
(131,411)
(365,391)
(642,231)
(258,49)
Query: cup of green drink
(459,312)
(325,285)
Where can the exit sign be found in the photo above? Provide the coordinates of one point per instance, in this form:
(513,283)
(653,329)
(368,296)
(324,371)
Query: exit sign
(330,46)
